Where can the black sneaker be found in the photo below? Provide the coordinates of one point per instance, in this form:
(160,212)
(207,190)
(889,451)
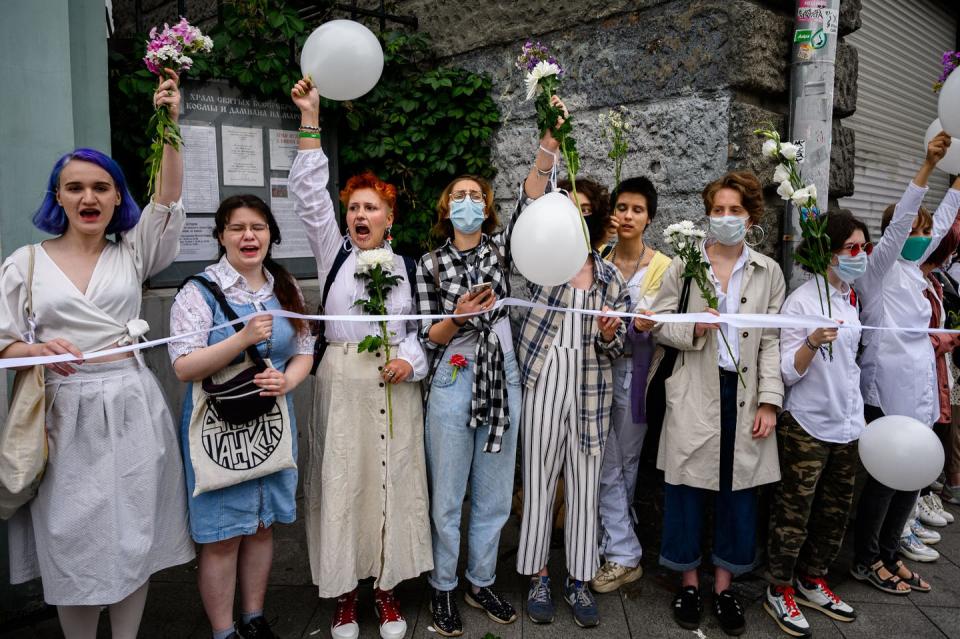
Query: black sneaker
(496,607)
(446,616)
(256,628)
(688,608)
(729,613)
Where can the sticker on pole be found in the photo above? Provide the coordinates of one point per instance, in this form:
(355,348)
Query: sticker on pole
(819,39)
(829,18)
(802,35)
(801,150)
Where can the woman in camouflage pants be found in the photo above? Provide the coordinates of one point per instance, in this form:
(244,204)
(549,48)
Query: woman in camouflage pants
(817,437)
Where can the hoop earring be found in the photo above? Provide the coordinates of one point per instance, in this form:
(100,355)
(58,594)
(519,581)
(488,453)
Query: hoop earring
(751,238)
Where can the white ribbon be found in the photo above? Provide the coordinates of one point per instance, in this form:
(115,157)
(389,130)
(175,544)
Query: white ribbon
(736,320)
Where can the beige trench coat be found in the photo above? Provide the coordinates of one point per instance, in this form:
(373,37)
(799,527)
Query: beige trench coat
(689,452)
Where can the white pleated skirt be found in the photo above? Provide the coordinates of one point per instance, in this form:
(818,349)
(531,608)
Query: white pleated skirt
(111,509)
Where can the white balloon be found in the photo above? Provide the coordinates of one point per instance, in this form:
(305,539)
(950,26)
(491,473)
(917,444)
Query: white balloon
(343,58)
(548,245)
(951,161)
(901,453)
(949,104)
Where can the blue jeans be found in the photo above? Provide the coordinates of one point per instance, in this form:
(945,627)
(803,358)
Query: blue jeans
(454,455)
(735,511)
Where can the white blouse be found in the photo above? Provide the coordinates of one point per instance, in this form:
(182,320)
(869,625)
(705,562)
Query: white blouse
(308,186)
(898,369)
(729,303)
(825,400)
(191,312)
(102,316)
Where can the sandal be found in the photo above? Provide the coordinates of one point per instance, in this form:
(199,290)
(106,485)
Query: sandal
(891,585)
(915,581)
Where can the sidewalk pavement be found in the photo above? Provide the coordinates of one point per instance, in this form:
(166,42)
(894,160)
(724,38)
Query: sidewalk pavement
(641,609)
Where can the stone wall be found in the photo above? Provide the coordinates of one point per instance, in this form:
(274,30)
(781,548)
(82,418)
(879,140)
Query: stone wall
(695,76)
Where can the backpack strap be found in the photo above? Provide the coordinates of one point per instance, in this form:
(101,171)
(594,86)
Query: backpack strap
(410,265)
(320,345)
(214,289)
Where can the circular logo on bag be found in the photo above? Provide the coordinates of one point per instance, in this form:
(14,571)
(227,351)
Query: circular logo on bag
(242,446)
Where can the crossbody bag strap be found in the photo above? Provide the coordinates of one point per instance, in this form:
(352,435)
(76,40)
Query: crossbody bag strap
(218,295)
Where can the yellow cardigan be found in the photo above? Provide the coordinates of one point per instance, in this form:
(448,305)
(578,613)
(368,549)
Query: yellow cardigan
(653,278)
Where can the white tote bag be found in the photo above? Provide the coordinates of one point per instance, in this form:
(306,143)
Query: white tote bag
(224,454)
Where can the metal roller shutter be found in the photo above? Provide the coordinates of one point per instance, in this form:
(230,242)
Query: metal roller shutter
(899,45)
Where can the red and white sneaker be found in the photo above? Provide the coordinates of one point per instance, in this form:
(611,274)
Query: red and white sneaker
(781,605)
(392,624)
(344,625)
(815,593)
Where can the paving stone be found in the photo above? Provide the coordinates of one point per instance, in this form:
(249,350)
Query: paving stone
(880,620)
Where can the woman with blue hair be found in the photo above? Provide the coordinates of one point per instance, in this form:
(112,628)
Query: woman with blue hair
(111,509)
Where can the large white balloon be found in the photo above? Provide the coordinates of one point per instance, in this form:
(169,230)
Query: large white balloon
(951,161)
(949,105)
(901,453)
(548,245)
(343,58)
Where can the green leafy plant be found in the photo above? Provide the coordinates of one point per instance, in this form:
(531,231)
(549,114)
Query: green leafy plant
(421,126)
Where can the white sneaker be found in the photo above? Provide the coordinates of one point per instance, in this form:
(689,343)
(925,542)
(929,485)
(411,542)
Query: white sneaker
(937,504)
(928,515)
(815,593)
(781,605)
(914,549)
(927,536)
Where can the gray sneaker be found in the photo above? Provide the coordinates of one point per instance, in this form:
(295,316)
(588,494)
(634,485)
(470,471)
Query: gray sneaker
(578,595)
(540,606)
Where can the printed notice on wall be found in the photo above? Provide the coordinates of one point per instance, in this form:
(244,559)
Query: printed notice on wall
(294,240)
(197,243)
(201,176)
(283,148)
(242,156)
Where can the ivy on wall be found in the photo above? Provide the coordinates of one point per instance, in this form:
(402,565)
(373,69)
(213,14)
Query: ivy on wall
(422,125)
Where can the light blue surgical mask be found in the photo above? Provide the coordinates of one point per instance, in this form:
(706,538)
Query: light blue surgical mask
(728,229)
(466,216)
(849,268)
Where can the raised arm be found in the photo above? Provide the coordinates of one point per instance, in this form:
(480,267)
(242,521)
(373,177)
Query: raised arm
(171,167)
(897,232)
(548,154)
(944,220)
(309,176)
(155,241)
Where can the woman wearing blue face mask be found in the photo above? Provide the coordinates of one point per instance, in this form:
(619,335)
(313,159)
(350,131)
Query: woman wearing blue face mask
(898,369)
(817,436)
(716,442)
(473,398)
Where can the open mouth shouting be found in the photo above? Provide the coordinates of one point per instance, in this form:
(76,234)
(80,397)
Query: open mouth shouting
(361,232)
(89,214)
(250,250)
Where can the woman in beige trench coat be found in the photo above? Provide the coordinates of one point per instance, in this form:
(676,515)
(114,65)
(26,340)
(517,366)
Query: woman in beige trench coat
(716,439)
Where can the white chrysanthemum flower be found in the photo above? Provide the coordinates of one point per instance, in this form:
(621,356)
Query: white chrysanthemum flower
(698,234)
(367,260)
(542,70)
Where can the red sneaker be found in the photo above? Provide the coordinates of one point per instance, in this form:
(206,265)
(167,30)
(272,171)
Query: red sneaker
(344,624)
(392,624)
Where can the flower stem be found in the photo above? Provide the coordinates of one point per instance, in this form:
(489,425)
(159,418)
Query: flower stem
(826,286)
(735,361)
(573,188)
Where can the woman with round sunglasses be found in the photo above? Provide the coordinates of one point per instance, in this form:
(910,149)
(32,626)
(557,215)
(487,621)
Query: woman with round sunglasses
(818,431)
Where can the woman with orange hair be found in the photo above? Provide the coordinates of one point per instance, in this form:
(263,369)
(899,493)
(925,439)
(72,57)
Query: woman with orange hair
(365,483)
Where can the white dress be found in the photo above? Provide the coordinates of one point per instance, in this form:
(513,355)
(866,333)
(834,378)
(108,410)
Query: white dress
(366,490)
(111,509)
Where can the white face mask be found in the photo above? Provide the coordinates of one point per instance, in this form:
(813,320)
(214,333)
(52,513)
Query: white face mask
(728,229)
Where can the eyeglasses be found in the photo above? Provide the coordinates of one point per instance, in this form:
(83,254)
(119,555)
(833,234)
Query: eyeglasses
(242,228)
(460,196)
(866,247)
